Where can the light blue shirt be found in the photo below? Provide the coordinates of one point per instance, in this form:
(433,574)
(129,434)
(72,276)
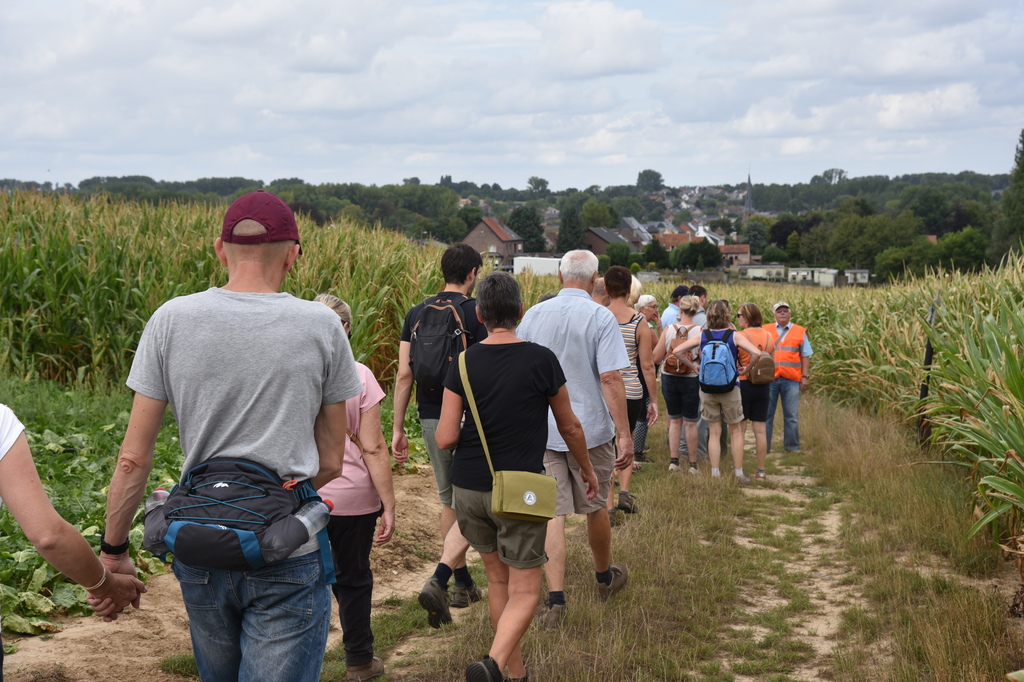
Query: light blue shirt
(670,316)
(585,338)
(805,348)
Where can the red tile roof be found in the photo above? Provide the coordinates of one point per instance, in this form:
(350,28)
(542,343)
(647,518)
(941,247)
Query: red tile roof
(734,248)
(670,241)
(499,229)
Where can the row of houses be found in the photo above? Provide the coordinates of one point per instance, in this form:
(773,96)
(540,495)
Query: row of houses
(820,277)
(491,236)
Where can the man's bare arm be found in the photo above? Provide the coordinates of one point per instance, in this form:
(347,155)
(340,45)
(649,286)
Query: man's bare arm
(329,431)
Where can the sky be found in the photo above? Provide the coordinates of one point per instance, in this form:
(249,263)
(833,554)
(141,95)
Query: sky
(578,93)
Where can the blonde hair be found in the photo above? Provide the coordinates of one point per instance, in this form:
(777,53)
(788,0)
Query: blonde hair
(689,305)
(339,306)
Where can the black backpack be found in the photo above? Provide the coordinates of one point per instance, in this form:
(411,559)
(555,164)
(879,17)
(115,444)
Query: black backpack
(438,337)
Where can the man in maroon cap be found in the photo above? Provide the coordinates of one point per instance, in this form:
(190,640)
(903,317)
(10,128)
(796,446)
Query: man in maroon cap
(250,373)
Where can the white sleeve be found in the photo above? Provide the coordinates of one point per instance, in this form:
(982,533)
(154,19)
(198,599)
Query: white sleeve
(10,429)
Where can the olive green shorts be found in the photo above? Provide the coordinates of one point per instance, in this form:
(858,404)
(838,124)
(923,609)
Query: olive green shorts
(519,544)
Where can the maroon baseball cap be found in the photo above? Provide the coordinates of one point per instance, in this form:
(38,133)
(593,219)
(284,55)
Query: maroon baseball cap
(266,209)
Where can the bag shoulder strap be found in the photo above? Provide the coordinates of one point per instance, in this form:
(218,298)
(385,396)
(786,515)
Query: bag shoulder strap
(468,389)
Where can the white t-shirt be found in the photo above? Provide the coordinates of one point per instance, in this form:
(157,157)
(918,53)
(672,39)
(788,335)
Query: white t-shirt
(10,429)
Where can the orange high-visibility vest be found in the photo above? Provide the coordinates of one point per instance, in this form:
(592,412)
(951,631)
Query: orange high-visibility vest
(787,355)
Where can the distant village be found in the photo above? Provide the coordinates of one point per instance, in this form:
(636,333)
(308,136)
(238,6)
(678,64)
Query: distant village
(504,247)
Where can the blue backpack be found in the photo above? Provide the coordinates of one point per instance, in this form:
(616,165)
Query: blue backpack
(717,363)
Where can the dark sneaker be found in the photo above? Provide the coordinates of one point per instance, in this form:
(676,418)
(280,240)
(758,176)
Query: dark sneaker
(462,595)
(483,671)
(554,616)
(367,671)
(612,513)
(620,576)
(434,599)
(627,502)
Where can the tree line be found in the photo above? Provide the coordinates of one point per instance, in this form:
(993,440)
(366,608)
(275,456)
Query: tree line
(893,226)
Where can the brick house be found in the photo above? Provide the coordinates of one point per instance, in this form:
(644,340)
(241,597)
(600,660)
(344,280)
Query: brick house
(735,254)
(494,241)
(598,239)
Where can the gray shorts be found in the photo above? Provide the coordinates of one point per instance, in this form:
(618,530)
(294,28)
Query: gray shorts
(440,461)
(519,544)
(572,489)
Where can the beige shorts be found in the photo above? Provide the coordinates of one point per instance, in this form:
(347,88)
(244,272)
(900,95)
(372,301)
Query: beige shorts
(717,406)
(519,544)
(572,489)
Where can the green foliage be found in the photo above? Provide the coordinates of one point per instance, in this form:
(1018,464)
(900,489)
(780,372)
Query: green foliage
(74,437)
(964,250)
(603,262)
(571,233)
(597,214)
(649,180)
(526,222)
(773,254)
(696,256)
(1008,233)
(757,237)
(655,253)
(635,267)
(618,253)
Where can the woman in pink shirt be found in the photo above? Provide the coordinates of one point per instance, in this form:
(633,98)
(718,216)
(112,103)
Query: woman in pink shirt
(361,495)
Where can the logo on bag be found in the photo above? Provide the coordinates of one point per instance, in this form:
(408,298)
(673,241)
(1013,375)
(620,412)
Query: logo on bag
(220,485)
(530,498)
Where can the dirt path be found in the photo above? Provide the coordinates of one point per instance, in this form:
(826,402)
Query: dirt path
(130,649)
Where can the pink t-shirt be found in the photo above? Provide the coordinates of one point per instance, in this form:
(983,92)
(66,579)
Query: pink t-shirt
(353,493)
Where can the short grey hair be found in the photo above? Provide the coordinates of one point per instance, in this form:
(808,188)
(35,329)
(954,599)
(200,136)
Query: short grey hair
(578,266)
(499,300)
(644,300)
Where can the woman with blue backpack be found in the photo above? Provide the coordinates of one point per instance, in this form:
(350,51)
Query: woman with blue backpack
(719,391)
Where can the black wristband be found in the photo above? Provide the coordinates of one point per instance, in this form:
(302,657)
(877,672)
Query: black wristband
(113,549)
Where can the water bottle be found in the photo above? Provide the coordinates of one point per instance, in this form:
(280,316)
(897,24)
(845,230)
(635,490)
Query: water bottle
(294,532)
(314,515)
(156,499)
(155,524)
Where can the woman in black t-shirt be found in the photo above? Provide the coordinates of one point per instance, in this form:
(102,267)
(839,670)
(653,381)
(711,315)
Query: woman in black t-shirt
(514,383)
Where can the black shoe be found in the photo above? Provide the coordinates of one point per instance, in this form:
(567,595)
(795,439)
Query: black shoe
(483,671)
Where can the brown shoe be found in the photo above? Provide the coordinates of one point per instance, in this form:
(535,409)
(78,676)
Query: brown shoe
(627,502)
(366,671)
(611,516)
(620,576)
(554,616)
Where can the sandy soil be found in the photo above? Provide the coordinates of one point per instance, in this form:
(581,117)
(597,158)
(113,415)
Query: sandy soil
(130,649)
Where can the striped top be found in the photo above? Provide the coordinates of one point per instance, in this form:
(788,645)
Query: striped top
(631,375)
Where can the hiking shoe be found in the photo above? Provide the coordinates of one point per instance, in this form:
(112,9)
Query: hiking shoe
(434,599)
(673,467)
(693,468)
(620,576)
(483,671)
(552,619)
(627,502)
(366,671)
(760,476)
(742,479)
(462,595)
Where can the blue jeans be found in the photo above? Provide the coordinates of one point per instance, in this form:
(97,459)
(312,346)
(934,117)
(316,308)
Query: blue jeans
(789,390)
(267,625)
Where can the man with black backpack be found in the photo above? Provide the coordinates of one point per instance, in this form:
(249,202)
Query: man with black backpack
(251,374)
(434,333)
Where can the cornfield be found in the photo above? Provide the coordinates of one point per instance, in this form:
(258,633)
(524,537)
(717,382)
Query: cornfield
(79,278)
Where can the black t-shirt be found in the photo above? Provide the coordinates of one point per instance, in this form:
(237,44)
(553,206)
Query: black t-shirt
(511,383)
(429,399)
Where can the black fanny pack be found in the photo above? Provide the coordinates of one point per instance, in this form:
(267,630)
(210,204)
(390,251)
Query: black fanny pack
(235,515)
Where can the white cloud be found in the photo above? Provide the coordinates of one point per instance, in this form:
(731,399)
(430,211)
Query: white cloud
(592,39)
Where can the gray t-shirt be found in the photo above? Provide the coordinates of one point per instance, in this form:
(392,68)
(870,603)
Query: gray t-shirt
(246,375)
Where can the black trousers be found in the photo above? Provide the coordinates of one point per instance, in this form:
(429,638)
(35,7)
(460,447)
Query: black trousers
(351,542)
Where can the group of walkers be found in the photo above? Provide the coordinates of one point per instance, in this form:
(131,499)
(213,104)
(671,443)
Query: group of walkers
(258,377)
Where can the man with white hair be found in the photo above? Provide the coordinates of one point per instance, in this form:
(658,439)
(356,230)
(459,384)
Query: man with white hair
(585,338)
